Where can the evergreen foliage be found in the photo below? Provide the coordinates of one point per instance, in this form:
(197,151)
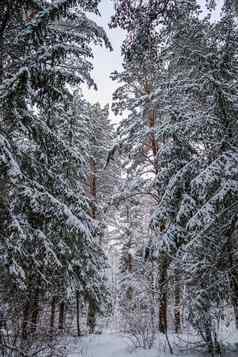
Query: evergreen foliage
(193,93)
(47,244)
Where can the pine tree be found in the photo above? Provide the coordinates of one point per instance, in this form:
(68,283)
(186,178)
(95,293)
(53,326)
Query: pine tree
(94,133)
(194,96)
(144,69)
(46,229)
(201,195)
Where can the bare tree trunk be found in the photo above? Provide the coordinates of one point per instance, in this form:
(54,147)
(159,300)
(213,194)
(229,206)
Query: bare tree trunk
(163,264)
(208,335)
(177,298)
(77,313)
(91,322)
(93,187)
(52,315)
(35,310)
(232,251)
(26,317)
(4,20)
(163,313)
(163,294)
(61,315)
(235,309)
(234,298)
(152,144)
(91,319)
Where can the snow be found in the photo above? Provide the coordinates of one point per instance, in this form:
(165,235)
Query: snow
(108,345)
(116,345)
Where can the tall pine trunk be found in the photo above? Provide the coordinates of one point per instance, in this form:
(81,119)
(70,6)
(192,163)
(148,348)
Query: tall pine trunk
(52,315)
(235,306)
(232,247)
(91,319)
(5,17)
(25,320)
(208,335)
(177,300)
(234,296)
(163,286)
(61,315)
(163,263)
(77,314)
(35,310)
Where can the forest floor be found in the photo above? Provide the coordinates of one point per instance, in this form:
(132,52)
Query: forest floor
(114,345)
(108,345)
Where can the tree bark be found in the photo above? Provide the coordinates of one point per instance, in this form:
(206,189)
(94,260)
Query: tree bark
(77,313)
(152,144)
(177,298)
(26,317)
(163,294)
(4,20)
(235,309)
(91,322)
(208,336)
(234,297)
(52,315)
(93,187)
(163,263)
(232,249)
(35,310)
(61,315)
(91,319)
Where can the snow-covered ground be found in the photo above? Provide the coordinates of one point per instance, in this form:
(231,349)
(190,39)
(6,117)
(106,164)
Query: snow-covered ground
(114,345)
(107,345)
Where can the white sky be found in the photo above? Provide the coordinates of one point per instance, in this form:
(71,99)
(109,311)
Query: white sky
(106,62)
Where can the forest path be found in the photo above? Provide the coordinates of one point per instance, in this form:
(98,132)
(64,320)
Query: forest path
(107,345)
(114,345)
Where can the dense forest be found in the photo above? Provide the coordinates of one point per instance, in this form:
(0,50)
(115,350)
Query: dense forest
(129,227)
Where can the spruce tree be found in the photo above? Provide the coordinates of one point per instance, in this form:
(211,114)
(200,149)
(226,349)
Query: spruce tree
(47,247)
(202,80)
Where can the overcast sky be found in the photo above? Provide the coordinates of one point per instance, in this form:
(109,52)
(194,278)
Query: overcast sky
(105,61)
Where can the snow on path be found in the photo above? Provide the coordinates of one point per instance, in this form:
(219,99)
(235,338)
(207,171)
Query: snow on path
(108,345)
(114,345)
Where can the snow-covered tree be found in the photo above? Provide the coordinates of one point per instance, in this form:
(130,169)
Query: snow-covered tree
(198,209)
(47,245)
(192,95)
(91,129)
(144,68)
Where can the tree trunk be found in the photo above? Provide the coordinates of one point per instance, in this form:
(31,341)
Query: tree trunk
(35,311)
(152,145)
(234,298)
(93,187)
(208,335)
(26,316)
(163,294)
(232,246)
(77,313)
(91,319)
(163,314)
(91,316)
(4,20)
(61,315)
(52,315)
(235,308)
(177,296)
